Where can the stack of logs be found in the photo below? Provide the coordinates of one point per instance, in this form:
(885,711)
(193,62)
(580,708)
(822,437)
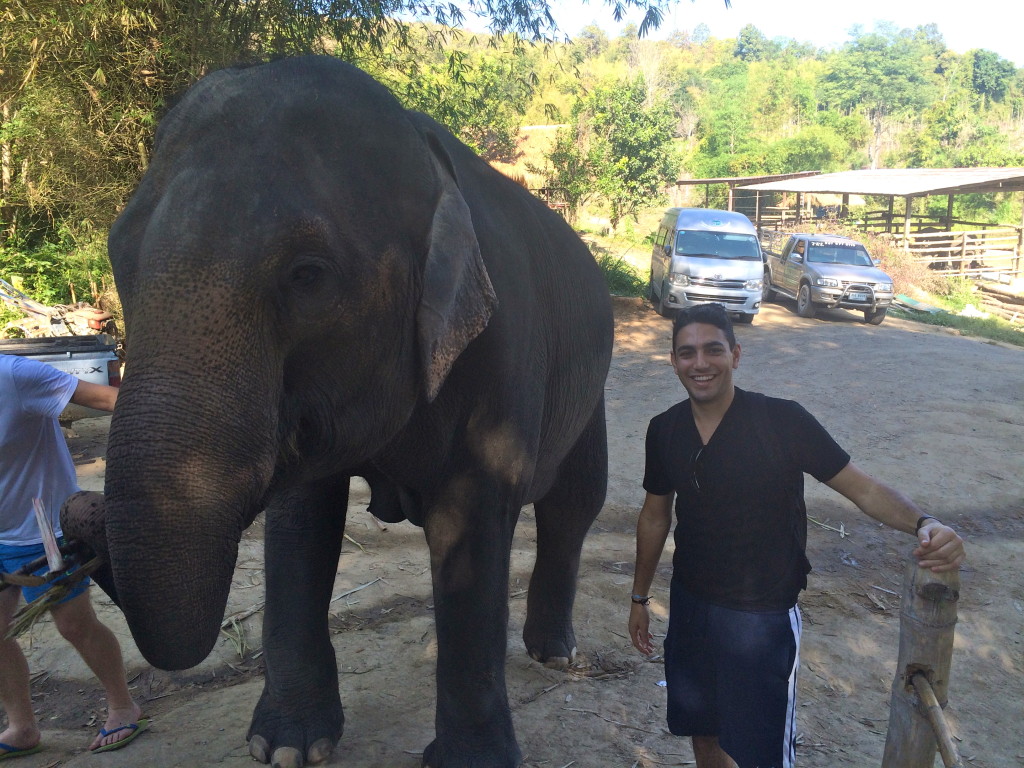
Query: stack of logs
(1002,302)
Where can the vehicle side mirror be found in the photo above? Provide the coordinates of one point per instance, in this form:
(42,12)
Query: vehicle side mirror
(668,250)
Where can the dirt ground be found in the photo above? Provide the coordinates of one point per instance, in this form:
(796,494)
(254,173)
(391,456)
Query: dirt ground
(930,412)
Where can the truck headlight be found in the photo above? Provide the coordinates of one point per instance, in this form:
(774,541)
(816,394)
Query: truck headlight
(826,282)
(883,288)
(754,285)
(678,280)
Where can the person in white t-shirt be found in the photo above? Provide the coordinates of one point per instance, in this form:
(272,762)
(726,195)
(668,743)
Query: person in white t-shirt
(35,463)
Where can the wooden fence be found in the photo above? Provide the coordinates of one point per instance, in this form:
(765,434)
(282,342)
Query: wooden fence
(993,254)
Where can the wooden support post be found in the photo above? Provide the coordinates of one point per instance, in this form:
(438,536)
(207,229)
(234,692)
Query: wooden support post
(908,212)
(1018,251)
(928,614)
(757,211)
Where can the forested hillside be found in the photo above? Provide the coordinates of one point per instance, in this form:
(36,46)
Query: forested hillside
(82,87)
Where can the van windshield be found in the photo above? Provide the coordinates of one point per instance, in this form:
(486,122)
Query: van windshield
(717,245)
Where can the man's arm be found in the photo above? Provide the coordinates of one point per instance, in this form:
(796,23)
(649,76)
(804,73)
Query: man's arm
(98,396)
(651,532)
(941,549)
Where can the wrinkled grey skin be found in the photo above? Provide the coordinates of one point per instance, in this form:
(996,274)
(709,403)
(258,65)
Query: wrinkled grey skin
(318,284)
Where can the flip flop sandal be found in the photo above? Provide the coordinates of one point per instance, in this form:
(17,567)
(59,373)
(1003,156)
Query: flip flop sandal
(9,751)
(135,728)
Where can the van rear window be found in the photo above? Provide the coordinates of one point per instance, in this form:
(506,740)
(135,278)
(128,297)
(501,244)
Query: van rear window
(717,245)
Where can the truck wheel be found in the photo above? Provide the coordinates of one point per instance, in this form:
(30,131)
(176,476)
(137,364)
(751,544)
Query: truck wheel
(876,317)
(745,318)
(767,294)
(804,305)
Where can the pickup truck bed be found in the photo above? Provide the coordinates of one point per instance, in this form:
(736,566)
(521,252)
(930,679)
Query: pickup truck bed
(90,358)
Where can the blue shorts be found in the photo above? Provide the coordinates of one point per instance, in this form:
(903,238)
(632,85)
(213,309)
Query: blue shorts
(14,557)
(732,674)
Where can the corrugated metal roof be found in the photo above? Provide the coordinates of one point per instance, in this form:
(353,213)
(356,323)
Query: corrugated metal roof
(903,182)
(744,180)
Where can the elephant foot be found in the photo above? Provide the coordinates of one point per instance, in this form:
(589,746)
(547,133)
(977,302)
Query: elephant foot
(291,739)
(289,757)
(554,650)
(437,755)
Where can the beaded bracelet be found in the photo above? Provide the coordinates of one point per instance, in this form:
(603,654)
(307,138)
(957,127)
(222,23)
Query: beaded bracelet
(640,599)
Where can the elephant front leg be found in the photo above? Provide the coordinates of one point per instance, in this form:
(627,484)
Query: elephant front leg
(299,717)
(469,552)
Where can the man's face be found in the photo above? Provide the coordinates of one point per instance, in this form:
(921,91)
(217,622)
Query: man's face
(703,362)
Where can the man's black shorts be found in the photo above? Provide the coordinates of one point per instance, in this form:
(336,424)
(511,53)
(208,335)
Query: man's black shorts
(732,674)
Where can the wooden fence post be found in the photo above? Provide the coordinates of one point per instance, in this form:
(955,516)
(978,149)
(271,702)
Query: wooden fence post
(928,614)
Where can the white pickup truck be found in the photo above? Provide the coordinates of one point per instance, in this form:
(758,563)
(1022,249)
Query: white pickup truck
(91,358)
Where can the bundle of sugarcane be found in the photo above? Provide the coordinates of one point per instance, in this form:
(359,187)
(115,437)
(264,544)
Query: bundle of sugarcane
(69,577)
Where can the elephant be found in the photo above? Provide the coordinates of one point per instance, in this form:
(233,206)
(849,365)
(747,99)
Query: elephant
(363,297)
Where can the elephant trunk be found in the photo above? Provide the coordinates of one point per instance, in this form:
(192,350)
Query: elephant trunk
(83,521)
(180,488)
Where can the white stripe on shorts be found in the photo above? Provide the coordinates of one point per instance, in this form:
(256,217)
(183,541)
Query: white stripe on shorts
(789,739)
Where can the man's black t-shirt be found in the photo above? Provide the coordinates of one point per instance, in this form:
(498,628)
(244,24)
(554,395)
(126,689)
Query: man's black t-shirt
(741,527)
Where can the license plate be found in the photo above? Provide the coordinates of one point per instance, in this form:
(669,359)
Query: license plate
(858,297)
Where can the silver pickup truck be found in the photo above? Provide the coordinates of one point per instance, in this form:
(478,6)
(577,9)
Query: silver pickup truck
(91,358)
(825,271)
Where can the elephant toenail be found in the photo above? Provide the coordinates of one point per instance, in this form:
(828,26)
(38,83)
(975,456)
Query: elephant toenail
(287,757)
(259,749)
(320,750)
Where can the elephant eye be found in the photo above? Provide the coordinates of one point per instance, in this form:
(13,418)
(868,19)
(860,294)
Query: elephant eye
(305,275)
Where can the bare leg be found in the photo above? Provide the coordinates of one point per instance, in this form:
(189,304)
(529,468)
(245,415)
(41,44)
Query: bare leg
(22,730)
(709,754)
(98,647)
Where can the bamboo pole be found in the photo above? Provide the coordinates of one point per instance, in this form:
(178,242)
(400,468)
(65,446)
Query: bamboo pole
(933,711)
(928,615)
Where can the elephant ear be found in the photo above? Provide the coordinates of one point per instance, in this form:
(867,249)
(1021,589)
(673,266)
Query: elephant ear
(458,298)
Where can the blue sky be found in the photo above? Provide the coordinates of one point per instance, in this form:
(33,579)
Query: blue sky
(965,24)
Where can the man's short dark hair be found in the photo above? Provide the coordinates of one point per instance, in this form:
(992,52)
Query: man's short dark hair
(712,314)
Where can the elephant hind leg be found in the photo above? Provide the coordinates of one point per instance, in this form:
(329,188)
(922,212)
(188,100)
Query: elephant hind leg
(564,516)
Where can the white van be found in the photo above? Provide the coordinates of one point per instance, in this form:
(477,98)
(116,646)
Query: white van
(702,255)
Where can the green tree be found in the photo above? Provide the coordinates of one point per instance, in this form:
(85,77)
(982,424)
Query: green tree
(479,89)
(619,146)
(991,75)
(752,45)
(884,74)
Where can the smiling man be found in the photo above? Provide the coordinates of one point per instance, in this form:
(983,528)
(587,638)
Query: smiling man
(734,462)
